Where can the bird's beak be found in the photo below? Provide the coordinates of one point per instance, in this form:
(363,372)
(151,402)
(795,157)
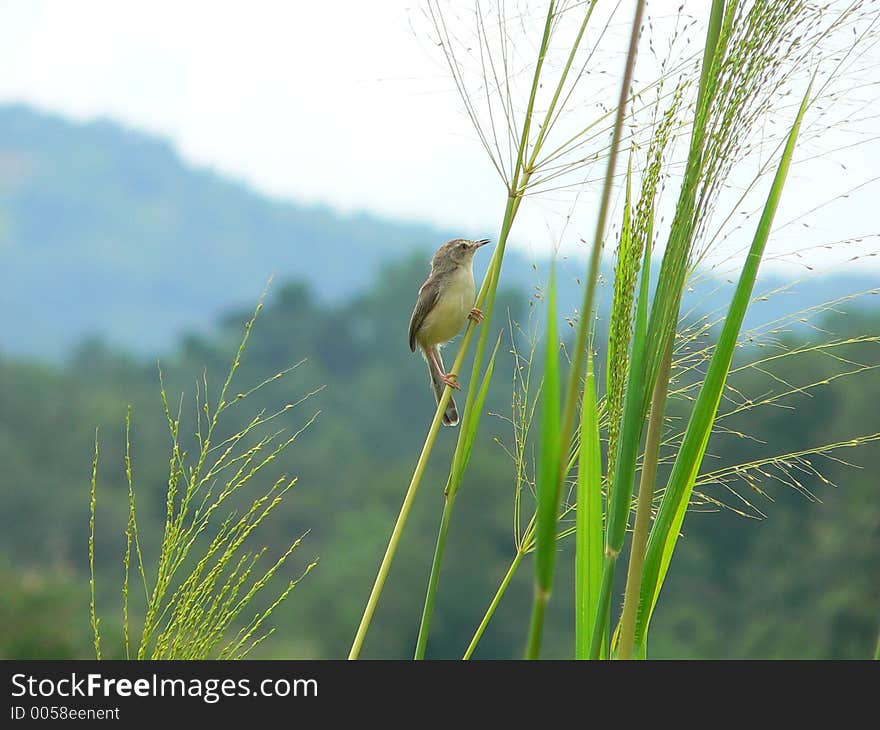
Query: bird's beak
(481,242)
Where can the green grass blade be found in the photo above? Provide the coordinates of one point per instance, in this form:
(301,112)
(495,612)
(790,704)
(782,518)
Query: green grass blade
(647,347)
(621,486)
(434,579)
(588,557)
(493,605)
(670,516)
(643,512)
(470,425)
(548,476)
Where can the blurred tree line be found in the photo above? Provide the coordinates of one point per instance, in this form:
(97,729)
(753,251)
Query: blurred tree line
(804,581)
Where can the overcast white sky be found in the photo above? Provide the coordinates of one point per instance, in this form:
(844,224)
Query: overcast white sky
(344,103)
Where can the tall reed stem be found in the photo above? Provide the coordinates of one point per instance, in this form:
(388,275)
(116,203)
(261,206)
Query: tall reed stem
(402,517)
(487,290)
(643,509)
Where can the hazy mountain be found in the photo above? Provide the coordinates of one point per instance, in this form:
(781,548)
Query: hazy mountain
(106,231)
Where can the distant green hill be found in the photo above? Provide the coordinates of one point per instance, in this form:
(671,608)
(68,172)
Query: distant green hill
(105,231)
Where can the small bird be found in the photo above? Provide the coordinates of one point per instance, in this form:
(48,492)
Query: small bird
(446,302)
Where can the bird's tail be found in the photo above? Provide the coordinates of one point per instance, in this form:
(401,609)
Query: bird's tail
(450,417)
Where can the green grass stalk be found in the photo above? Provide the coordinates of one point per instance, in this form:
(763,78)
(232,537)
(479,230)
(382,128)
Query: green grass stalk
(469,425)
(548,474)
(644,507)
(566,426)
(588,536)
(493,605)
(434,578)
(487,293)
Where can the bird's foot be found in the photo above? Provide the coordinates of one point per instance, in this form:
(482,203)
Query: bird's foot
(476,315)
(451,379)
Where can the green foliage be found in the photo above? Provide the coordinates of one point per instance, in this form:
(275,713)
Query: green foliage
(654,364)
(205,576)
(747,50)
(730,592)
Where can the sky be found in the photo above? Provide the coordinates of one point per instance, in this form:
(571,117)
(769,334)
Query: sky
(350,104)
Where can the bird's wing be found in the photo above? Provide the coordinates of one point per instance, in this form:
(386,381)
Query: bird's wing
(426,301)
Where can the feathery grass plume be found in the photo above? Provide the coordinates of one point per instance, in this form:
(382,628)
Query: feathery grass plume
(739,64)
(649,455)
(749,50)
(626,271)
(663,315)
(206,577)
(688,461)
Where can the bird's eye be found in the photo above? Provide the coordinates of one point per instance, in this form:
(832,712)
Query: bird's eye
(462,246)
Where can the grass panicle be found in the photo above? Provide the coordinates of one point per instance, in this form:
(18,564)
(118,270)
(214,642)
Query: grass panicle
(670,515)
(206,576)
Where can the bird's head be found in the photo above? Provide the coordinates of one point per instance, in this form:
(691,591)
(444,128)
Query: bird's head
(457,252)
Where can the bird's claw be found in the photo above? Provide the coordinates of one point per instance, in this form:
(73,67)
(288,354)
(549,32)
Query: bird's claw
(476,315)
(451,379)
